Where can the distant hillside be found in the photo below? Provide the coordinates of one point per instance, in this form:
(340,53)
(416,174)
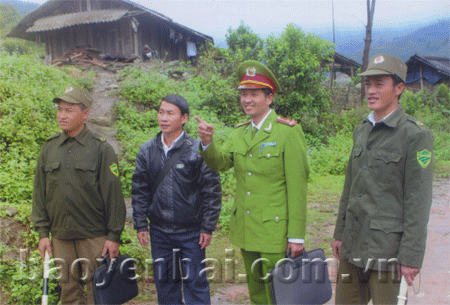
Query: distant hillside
(23,8)
(430,40)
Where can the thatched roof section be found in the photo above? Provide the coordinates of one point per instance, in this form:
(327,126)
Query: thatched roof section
(67,20)
(51,15)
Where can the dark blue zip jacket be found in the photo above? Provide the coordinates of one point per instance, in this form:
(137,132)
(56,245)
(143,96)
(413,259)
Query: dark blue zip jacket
(188,198)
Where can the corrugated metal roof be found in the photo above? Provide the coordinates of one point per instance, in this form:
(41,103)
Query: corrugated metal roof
(67,20)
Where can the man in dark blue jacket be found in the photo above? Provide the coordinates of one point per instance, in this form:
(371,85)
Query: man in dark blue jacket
(183,208)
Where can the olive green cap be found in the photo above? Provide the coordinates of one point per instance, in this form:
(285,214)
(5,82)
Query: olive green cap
(75,95)
(253,75)
(384,64)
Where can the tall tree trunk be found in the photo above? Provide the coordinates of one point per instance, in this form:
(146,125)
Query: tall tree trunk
(367,41)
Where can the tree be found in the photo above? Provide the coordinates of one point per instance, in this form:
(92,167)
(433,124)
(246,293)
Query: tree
(367,40)
(295,59)
(244,40)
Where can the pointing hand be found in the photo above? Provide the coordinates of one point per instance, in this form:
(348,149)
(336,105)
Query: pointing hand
(205,131)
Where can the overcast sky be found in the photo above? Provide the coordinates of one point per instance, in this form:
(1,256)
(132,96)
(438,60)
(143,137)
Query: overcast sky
(214,17)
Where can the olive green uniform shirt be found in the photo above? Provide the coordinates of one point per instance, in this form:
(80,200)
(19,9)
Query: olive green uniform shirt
(271,184)
(77,191)
(386,201)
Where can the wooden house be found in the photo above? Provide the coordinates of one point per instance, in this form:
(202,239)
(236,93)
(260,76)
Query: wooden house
(426,72)
(113,27)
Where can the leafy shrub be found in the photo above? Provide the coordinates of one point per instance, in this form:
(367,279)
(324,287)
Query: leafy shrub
(331,158)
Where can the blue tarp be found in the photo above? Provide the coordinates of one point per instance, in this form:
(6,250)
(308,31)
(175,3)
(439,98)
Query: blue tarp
(430,74)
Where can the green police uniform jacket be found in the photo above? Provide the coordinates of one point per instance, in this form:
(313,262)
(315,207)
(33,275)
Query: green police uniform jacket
(385,204)
(271,176)
(77,191)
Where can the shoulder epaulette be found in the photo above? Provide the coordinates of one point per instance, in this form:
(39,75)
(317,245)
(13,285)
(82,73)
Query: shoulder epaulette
(287,121)
(415,121)
(100,138)
(54,137)
(242,124)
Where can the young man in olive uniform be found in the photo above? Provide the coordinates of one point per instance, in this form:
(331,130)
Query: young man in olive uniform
(77,197)
(385,205)
(268,154)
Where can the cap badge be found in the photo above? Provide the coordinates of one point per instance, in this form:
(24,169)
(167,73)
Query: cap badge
(68,89)
(378,60)
(251,71)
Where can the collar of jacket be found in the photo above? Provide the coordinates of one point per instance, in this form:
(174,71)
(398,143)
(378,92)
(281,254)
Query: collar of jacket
(80,138)
(184,137)
(393,119)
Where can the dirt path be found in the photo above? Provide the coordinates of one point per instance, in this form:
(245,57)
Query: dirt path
(435,282)
(101,117)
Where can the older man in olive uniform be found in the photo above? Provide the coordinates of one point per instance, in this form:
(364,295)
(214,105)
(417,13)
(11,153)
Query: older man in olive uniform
(268,154)
(385,205)
(77,197)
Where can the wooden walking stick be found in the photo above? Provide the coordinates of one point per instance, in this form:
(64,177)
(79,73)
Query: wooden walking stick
(402,295)
(46,276)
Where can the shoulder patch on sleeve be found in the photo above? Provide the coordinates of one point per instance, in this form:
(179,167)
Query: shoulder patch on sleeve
(424,157)
(242,124)
(114,169)
(54,137)
(286,121)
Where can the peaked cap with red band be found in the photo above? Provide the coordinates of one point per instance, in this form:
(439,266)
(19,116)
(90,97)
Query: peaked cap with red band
(254,75)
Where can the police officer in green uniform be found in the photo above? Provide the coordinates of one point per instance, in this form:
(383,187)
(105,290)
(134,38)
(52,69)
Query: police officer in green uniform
(268,154)
(381,227)
(77,197)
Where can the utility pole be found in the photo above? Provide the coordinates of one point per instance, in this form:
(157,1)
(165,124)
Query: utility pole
(367,41)
(334,41)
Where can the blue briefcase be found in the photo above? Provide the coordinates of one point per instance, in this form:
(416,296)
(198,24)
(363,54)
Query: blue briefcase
(114,281)
(301,280)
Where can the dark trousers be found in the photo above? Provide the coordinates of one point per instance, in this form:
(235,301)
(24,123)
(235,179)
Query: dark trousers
(170,251)
(357,286)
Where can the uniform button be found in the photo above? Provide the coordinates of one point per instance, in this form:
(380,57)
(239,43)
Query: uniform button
(277,219)
(364,167)
(248,193)
(249,174)
(250,156)
(268,155)
(248,212)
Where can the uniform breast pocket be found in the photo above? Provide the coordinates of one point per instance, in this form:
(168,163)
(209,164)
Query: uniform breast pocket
(270,160)
(86,173)
(387,166)
(51,175)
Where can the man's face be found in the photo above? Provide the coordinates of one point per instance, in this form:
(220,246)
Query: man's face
(382,95)
(255,103)
(71,118)
(170,119)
